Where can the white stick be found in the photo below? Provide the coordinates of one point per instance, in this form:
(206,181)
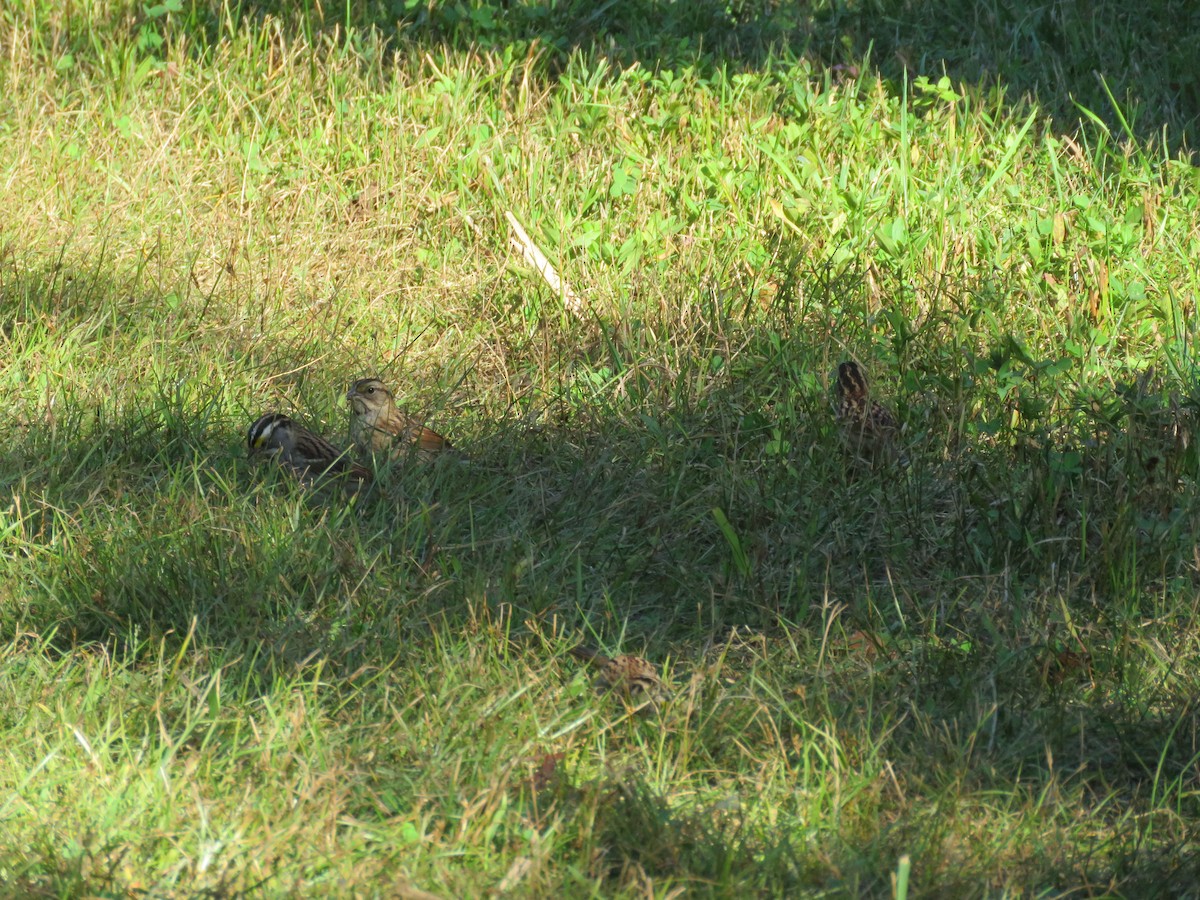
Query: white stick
(536,258)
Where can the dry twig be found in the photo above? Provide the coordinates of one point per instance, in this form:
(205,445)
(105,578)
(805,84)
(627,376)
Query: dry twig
(536,258)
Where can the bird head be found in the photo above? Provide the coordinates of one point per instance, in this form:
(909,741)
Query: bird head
(368,395)
(268,434)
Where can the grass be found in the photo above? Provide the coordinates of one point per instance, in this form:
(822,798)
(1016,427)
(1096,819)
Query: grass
(213,682)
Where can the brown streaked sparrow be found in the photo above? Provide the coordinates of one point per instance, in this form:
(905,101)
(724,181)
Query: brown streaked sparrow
(377,425)
(633,676)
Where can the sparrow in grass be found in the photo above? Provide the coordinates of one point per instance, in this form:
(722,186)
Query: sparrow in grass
(377,425)
(295,448)
(868,427)
(637,679)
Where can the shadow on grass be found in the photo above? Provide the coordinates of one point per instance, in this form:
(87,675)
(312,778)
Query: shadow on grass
(675,504)
(139,521)
(640,836)
(1071,56)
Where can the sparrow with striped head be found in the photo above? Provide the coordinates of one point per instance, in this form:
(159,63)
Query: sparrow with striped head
(868,427)
(306,455)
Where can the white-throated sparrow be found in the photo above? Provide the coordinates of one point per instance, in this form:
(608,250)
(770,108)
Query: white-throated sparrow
(867,425)
(377,425)
(307,455)
(634,677)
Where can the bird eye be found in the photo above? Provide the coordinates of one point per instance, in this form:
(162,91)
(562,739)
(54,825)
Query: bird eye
(370,390)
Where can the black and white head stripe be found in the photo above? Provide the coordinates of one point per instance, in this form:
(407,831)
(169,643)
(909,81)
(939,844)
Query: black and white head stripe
(261,431)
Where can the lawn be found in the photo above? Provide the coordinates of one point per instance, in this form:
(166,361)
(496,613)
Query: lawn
(963,666)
